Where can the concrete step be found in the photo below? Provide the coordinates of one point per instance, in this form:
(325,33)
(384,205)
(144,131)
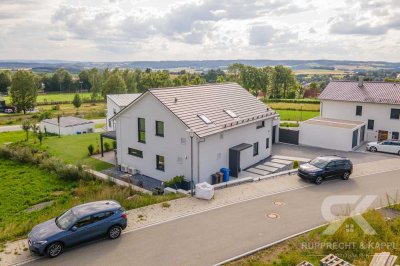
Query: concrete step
(257,171)
(281,161)
(277,165)
(266,168)
(289,158)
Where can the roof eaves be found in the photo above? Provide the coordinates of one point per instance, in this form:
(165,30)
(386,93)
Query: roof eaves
(128,106)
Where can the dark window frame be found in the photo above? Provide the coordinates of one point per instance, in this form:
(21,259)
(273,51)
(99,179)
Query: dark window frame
(395,133)
(135,152)
(160,166)
(158,134)
(267,143)
(140,130)
(371,124)
(262,124)
(255,149)
(395,113)
(359,110)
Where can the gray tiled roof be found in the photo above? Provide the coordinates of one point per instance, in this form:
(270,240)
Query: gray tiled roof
(123,100)
(187,103)
(68,121)
(370,92)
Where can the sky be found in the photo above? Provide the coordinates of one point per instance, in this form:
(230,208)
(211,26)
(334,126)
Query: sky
(150,30)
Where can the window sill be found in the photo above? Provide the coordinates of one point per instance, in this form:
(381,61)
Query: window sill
(259,127)
(162,170)
(160,136)
(143,142)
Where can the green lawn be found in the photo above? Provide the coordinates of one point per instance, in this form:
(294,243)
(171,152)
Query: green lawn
(71,149)
(25,185)
(294,115)
(54,97)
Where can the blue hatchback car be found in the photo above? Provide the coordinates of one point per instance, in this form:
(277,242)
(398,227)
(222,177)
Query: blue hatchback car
(79,224)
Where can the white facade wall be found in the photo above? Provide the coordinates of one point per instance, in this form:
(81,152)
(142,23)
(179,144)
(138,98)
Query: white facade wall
(51,128)
(214,152)
(380,113)
(175,145)
(335,138)
(112,109)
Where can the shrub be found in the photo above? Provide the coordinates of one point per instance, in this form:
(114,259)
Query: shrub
(295,164)
(90,149)
(174,181)
(114,143)
(107,146)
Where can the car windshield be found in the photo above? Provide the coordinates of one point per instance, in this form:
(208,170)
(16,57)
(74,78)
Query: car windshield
(66,220)
(319,162)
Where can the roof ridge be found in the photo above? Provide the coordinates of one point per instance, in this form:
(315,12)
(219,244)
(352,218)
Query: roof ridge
(356,81)
(192,86)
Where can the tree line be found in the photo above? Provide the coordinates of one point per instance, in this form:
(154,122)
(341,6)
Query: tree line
(24,86)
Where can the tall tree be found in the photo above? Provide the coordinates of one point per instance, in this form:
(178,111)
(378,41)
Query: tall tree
(24,89)
(77,101)
(5,82)
(114,85)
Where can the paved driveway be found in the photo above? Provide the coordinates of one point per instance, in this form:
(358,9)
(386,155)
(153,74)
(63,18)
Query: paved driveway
(312,152)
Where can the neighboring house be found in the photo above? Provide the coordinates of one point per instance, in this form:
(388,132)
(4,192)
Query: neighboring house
(115,103)
(69,125)
(376,105)
(231,129)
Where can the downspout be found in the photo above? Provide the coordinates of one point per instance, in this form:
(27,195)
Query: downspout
(198,157)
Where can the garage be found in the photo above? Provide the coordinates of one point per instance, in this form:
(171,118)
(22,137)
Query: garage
(331,133)
(68,125)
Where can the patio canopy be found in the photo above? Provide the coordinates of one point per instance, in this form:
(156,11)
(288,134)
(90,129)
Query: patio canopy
(107,135)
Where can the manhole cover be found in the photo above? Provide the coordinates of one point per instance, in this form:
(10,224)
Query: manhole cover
(279,203)
(273,215)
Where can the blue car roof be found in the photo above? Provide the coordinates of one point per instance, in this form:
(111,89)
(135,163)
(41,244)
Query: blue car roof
(95,207)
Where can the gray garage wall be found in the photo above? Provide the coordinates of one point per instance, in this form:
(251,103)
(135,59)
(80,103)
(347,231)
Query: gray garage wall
(289,135)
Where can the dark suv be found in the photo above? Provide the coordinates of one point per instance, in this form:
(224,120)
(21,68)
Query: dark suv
(326,167)
(79,224)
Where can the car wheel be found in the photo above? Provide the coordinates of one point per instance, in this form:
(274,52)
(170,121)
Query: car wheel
(114,232)
(373,149)
(54,249)
(318,180)
(345,175)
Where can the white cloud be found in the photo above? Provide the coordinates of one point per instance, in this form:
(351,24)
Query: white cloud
(108,30)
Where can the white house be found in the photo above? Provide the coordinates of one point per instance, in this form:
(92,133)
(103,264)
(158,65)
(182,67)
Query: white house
(68,125)
(370,111)
(115,103)
(229,128)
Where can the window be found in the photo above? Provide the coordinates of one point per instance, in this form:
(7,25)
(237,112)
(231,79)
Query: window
(141,130)
(205,119)
(160,128)
(135,152)
(358,110)
(84,221)
(260,124)
(230,113)
(371,124)
(395,135)
(255,149)
(160,163)
(395,113)
(109,123)
(102,216)
(267,143)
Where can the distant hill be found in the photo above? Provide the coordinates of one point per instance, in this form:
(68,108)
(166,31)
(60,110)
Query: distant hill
(75,67)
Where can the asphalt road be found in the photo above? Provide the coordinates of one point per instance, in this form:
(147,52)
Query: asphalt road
(214,236)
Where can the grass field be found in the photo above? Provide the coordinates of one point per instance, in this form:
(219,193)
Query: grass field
(315,245)
(295,115)
(71,149)
(24,185)
(54,97)
(295,106)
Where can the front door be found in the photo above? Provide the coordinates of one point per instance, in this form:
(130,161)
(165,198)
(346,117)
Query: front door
(355,138)
(382,135)
(273,134)
(234,162)
(362,134)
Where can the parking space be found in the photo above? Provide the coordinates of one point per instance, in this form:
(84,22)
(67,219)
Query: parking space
(312,152)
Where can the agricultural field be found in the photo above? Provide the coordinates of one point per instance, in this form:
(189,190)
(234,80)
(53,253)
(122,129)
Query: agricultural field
(70,149)
(321,72)
(23,186)
(295,106)
(55,97)
(296,115)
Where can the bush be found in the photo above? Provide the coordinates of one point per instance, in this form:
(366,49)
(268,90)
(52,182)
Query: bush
(114,143)
(91,149)
(45,115)
(296,164)
(107,146)
(174,182)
